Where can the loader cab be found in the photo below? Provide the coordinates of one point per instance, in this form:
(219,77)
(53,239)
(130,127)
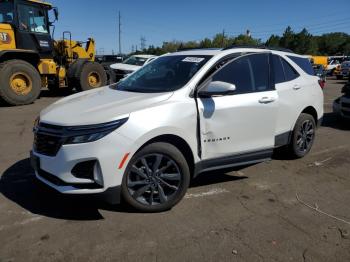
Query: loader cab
(31,25)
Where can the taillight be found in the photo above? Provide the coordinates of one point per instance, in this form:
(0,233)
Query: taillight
(321,83)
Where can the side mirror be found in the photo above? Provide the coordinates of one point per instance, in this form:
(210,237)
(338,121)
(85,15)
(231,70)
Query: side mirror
(217,88)
(55,11)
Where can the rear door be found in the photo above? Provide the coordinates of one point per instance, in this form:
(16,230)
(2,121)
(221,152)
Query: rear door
(244,122)
(289,89)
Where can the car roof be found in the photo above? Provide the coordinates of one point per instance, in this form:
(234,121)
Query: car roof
(144,56)
(226,51)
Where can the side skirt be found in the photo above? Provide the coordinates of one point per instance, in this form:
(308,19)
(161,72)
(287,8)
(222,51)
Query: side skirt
(233,161)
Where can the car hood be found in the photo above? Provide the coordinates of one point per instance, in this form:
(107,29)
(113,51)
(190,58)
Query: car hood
(125,67)
(98,106)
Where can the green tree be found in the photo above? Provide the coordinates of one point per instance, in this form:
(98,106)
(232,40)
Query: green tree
(288,39)
(246,40)
(273,41)
(205,43)
(334,44)
(305,43)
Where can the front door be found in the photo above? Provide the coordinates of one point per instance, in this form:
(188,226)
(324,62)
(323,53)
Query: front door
(244,122)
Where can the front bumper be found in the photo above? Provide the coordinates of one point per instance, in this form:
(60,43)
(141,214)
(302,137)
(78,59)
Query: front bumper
(107,153)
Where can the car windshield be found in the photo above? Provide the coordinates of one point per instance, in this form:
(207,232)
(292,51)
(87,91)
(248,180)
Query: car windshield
(135,60)
(6,11)
(164,74)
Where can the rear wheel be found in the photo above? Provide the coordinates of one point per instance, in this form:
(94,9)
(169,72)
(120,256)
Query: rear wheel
(92,76)
(20,82)
(156,178)
(303,136)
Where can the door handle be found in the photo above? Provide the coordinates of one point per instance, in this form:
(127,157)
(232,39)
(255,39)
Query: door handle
(296,87)
(266,100)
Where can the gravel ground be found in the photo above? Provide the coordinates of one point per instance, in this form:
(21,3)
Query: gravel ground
(253,214)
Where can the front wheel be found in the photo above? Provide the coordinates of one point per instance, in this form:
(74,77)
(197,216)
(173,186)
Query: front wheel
(303,136)
(156,178)
(20,82)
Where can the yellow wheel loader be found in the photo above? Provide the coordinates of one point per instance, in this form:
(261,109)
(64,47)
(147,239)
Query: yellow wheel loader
(31,59)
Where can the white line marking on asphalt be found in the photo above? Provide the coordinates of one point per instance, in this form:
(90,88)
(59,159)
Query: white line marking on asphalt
(30,220)
(214,191)
(22,223)
(320,163)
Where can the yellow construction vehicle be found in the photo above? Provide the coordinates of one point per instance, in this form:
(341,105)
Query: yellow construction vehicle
(31,59)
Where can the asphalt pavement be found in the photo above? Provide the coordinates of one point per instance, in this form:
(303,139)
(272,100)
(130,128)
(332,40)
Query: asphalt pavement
(281,210)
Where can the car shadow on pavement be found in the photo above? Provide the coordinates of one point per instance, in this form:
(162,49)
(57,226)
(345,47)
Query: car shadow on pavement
(333,120)
(19,184)
(215,177)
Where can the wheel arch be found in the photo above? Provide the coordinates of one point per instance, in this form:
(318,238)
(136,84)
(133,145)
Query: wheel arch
(31,57)
(179,143)
(311,111)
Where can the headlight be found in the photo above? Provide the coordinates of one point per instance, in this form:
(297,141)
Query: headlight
(90,133)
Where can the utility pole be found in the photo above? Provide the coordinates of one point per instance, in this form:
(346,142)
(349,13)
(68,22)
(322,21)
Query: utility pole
(143,43)
(120,31)
(223,38)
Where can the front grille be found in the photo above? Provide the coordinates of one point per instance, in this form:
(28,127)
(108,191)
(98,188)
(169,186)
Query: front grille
(46,144)
(48,139)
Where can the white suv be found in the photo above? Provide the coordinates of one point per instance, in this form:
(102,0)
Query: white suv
(185,113)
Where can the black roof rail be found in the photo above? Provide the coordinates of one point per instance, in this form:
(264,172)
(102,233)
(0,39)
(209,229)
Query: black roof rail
(259,47)
(197,48)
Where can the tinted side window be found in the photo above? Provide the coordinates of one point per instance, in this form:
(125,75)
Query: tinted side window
(304,64)
(32,19)
(278,69)
(289,72)
(248,74)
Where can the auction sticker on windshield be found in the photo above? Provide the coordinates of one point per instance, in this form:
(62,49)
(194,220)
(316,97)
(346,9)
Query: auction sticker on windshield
(193,59)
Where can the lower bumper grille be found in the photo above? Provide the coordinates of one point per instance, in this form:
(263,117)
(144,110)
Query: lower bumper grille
(58,182)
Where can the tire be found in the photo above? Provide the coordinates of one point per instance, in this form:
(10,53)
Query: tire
(145,190)
(303,136)
(20,82)
(339,77)
(92,70)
